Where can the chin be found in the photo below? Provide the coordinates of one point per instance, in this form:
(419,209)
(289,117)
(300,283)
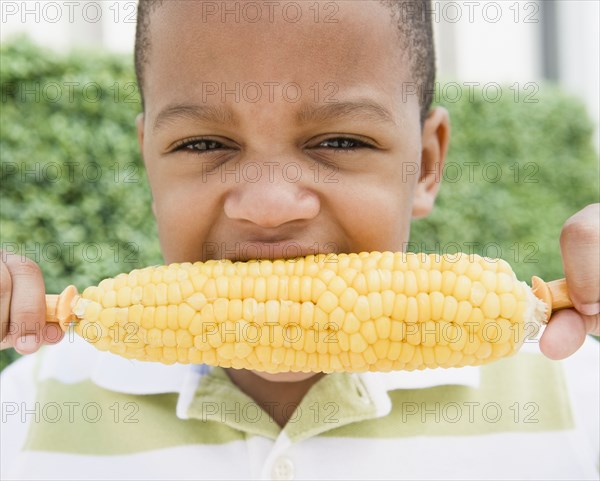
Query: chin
(286,376)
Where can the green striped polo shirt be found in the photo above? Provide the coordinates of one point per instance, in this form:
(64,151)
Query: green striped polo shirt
(73,412)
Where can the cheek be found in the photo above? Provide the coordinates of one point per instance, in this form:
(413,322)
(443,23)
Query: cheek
(376,211)
(185,211)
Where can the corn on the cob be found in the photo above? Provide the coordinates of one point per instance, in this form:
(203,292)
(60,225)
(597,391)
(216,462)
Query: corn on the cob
(376,311)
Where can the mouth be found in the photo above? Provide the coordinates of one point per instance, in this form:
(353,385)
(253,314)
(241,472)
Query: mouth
(260,249)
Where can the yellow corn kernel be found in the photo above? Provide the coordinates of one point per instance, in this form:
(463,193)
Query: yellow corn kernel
(149,295)
(185,314)
(462,288)
(398,331)
(361,308)
(187,288)
(423,306)
(318,289)
(387,300)
(369,332)
(173,294)
(173,316)
(448,282)
(135,314)
(160,292)
(183,338)
(435,280)
(328,301)
(109,299)
(92,312)
(436,300)
(491,305)
(160,317)
(383,326)
(336,286)
(148,317)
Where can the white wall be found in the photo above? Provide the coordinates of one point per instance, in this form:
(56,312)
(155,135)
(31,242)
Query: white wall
(492,41)
(68,24)
(476,48)
(579,52)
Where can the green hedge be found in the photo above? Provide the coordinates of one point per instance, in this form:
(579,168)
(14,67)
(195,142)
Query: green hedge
(75,196)
(533,165)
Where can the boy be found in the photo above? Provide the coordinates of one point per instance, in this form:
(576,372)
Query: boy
(223,91)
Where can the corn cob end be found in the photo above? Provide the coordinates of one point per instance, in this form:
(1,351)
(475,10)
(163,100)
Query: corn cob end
(554,294)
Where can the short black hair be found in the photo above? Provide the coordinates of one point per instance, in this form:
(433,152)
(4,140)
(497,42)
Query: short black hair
(415,37)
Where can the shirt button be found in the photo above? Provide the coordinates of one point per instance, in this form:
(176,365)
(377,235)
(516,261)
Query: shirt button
(283,469)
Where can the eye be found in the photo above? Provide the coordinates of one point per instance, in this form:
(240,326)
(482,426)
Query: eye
(343,143)
(199,146)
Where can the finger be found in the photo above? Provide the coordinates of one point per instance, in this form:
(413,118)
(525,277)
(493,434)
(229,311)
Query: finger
(564,334)
(592,324)
(5,290)
(580,247)
(27,304)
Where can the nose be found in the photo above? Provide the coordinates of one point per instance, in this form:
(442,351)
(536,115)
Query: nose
(270,194)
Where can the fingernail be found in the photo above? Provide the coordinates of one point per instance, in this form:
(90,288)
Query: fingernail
(590,309)
(27,344)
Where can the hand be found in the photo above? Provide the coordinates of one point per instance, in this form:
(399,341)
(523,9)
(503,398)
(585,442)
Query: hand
(23,306)
(580,249)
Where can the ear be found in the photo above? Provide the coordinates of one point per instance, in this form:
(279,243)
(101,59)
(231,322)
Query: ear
(139,123)
(435,139)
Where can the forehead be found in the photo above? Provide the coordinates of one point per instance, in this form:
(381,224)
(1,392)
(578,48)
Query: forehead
(349,45)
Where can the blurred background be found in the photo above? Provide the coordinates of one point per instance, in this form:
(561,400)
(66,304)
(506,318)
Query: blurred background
(520,79)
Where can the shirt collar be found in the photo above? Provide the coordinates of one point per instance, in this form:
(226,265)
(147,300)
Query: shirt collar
(75,360)
(332,402)
(335,400)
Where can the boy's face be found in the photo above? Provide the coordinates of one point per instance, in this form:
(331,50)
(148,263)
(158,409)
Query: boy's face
(247,128)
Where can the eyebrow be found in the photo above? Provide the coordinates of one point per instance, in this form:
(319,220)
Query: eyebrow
(198,113)
(360,110)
